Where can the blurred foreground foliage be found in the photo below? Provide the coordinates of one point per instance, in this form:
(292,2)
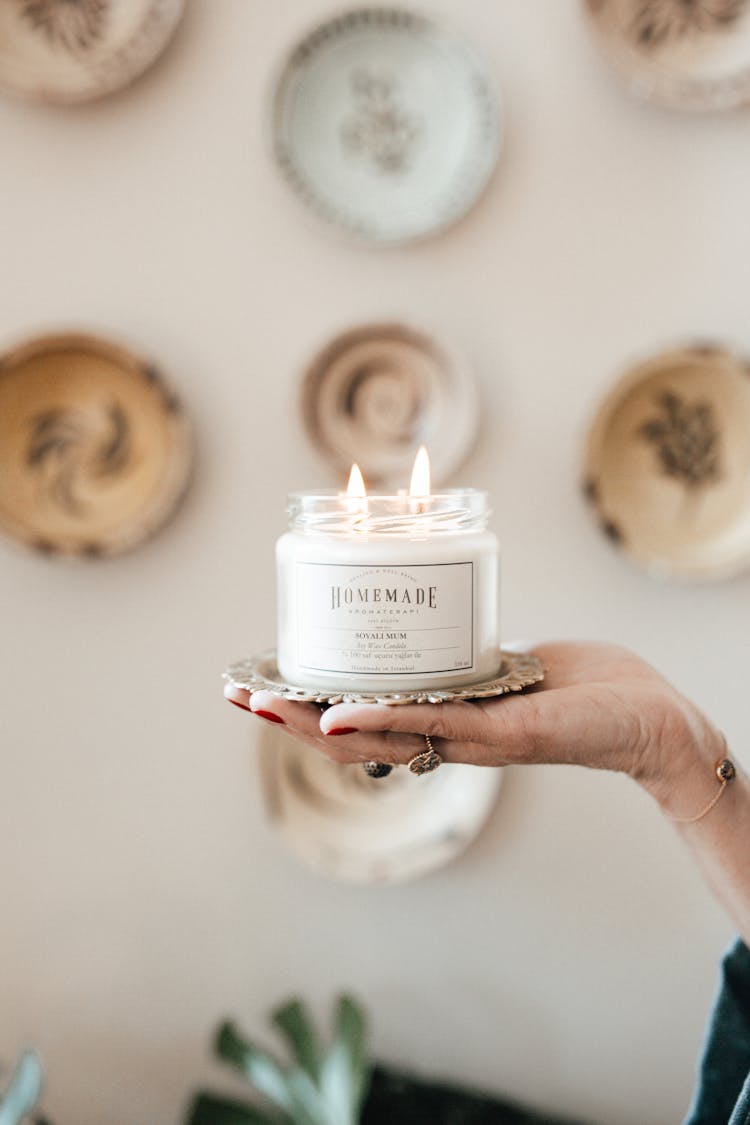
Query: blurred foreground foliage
(320,1085)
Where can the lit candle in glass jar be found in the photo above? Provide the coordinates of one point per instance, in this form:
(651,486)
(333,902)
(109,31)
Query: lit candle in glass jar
(388,592)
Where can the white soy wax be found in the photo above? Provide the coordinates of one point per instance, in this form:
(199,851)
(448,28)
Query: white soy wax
(389,593)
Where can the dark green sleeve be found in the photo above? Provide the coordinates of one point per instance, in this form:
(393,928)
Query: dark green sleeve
(725,1064)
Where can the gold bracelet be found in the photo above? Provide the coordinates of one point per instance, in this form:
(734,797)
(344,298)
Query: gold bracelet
(726,771)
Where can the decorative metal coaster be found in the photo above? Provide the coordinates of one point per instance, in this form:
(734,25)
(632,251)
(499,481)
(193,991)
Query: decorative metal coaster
(519,670)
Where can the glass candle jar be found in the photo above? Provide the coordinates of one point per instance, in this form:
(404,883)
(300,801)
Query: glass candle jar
(388,593)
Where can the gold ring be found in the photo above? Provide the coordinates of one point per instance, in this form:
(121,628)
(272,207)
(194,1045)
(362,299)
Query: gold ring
(427,761)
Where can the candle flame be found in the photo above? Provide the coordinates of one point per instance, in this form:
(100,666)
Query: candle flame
(356,485)
(420,476)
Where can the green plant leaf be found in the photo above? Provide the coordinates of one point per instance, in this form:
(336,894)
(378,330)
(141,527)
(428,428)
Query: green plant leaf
(23,1090)
(294,1092)
(210,1109)
(260,1068)
(308,1098)
(345,1073)
(293,1021)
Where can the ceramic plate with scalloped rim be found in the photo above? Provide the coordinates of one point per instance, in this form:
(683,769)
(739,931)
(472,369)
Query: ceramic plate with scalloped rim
(386,124)
(376,392)
(95,447)
(668,463)
(74,50)
(691,56)
(356,829)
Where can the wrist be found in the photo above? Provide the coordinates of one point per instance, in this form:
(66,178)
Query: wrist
(681,770)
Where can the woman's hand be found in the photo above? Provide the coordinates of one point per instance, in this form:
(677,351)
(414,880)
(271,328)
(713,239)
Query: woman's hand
(600,706)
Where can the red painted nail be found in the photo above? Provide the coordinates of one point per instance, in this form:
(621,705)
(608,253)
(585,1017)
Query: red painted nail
(240,705)
(342,730)
(270,716)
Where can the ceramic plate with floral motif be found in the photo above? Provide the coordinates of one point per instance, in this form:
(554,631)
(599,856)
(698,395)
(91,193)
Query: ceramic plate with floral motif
(377,392)
(386,124)
(668,464)
(74,50)
(94,446)
(357,829)
(688,54)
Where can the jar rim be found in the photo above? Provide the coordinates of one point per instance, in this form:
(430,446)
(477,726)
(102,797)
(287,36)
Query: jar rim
(334,513)
(445,493)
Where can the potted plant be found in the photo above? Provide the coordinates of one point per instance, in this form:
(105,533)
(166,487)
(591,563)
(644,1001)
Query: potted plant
(337,1084)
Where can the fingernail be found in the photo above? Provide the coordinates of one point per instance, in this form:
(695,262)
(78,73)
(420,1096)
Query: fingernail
(270,716)
(342,730)
(240,697)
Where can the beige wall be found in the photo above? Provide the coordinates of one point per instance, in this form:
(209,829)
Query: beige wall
(569,957)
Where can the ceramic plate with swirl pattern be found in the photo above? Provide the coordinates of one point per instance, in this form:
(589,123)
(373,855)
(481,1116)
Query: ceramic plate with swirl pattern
(668,464)
(687,54)
(377,392)
(386,124)
(73,50)
(94,446)
(357,829)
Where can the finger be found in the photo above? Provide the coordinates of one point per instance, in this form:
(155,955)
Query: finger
(301,717)
(302,721)
(238,696)
(387,747)
(395,749)
(522,728)
(476,722)
(343,745)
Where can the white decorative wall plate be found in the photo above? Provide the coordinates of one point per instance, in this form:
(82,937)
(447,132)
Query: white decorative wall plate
(356,829)
(386,124)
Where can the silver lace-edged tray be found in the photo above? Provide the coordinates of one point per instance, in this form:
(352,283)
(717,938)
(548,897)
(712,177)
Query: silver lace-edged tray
(518,670)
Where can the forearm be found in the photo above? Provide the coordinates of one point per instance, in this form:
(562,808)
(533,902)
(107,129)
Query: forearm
(720,840)
(720,843)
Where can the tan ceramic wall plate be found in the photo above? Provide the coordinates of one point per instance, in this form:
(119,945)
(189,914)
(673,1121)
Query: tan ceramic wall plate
(352,828)
(668,464)
(385,124)
(73,50)
(94,446)
(687,55)
(377,392)
(518,670)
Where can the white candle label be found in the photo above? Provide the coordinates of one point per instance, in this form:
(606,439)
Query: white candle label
(385,620)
